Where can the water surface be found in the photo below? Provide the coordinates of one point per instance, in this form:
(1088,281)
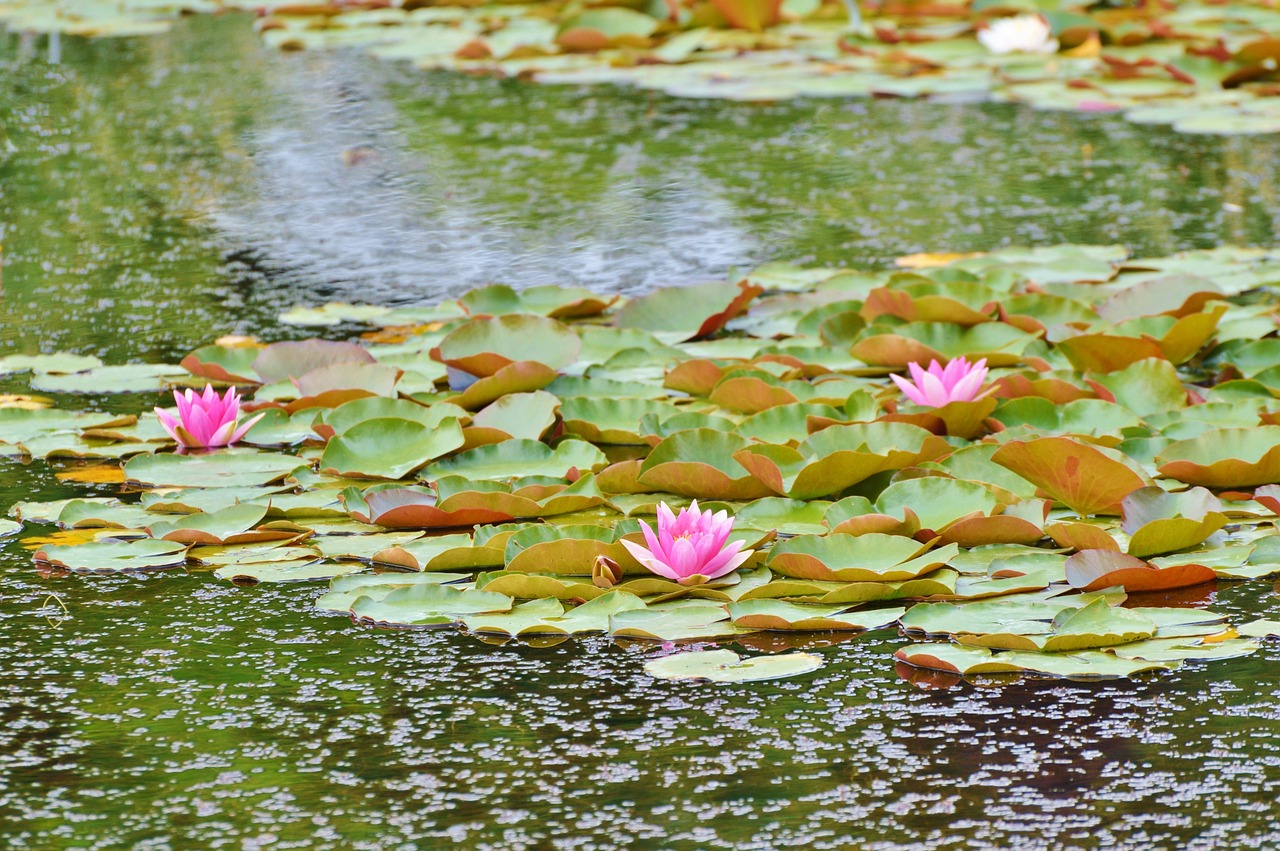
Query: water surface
(157,193)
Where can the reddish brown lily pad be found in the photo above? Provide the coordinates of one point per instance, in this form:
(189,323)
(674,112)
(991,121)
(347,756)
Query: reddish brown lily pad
(1080,476)
(1092,570)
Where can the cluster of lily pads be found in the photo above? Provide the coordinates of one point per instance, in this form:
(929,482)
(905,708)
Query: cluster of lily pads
(1201,67)
(487,462)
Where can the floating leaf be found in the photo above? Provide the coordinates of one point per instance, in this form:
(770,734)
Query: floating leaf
(514,458)
(1260,629)
(520,415)
(681,621)
(1160,522)
(1225,458)
(389,448)
(921,342)
(111,556)
(60,363)
(555,301)
(612,421)
(281,361)
(725,666)
(979,661)
(225,468)
(863,558)
(701,462)
(126,378)
(482,347)
(778,615)
(233,365)
(344,590)
(1091,570)
(332,385)
(548,617)
(687,313)
(1179,650)
(425,605)
(1082,477)
(233,525)
(838,457)
(1031,626)
(87,514)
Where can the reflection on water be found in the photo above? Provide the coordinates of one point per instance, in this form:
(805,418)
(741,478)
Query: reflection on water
(163,191)
(160,192)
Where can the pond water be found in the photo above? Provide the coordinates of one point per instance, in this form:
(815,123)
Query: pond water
(157,193)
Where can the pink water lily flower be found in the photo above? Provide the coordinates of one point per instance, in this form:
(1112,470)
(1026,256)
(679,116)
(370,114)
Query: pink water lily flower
(205,420)
(960,381)
(690,548)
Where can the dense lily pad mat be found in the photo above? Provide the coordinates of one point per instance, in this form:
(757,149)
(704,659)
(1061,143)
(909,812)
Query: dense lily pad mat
(1199,67)
(1124,444)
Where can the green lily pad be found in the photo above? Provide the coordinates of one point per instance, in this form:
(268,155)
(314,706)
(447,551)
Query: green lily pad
(1184,650)
(839,457)
(921,342)
(680,621)
(247,574)
(862,558)
(1260,629)
(85,514)
(54,364)
(340,419)
(1051,626)
(389,448)
(549,617)
(1225,458)
(787,516)
(777,615)
(236,524)
(233,365)
(344,590)
(938,583)
(514,458)
(611,421)
(1095,569)
(359,547)
(426,605)
(725,666)
(224,468)
(687,313)
(1161,522)
(520,415)
(979,661)
(126,378)
(701,463)
(112,556)
(481,347)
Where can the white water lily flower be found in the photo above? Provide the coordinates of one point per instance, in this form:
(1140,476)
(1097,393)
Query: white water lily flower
(1023,34)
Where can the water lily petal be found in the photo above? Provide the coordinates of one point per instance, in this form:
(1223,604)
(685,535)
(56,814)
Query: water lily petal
(244,429)
(934,393)
(909,390)
(731,565)
(646,558)
(725,556)
(683,558)
(168,422)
